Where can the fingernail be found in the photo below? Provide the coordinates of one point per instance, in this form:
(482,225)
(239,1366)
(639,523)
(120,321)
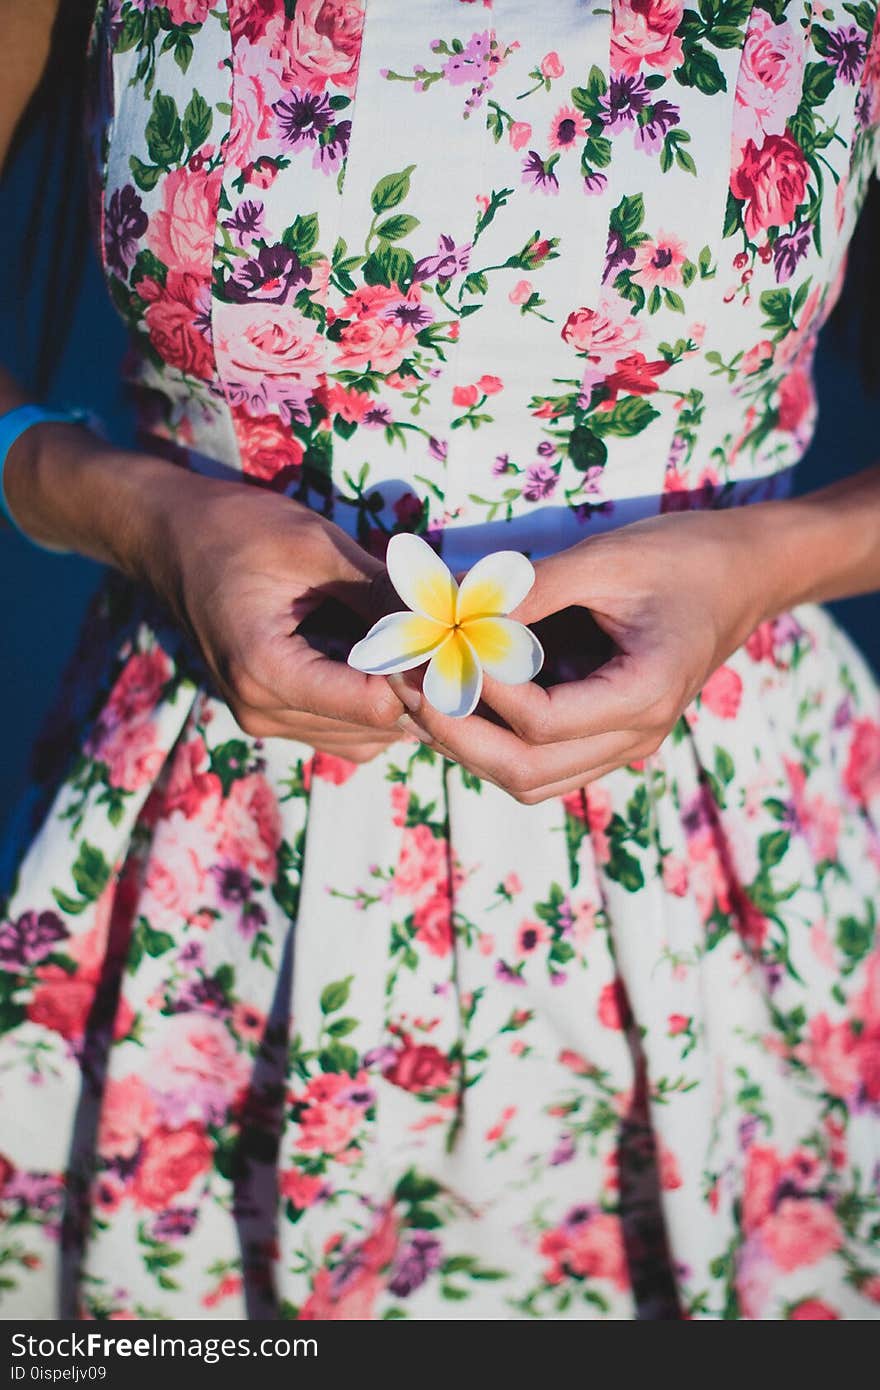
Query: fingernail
(409,726)
(405,693)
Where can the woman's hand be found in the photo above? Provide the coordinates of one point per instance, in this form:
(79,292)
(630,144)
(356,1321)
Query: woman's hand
(240,568)
(244,568)
(674,594)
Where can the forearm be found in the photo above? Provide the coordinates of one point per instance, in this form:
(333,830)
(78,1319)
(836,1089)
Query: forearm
(822,546)
(69,489)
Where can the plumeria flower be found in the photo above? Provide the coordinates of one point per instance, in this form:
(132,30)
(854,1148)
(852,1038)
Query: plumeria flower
(460,631)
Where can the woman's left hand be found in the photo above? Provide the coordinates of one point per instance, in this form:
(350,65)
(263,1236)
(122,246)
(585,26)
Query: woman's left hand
(676,595)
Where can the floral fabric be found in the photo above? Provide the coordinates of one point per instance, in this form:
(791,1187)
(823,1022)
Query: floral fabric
(286,1036)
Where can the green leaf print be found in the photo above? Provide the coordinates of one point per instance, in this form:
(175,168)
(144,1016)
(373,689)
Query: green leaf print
(336,995)
(146,176)
(90,871)
(229,760)
(625,869)
(586,450)
(630,416)
(164,131)
(389,265)
(397,227)
(772,848)
(197,121)
(391,190)
(183,51)
(702,70)
(628,216)
(302,235)
(855,937)
(12,1014)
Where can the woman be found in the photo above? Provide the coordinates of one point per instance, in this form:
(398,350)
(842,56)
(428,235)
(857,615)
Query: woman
(322,1004)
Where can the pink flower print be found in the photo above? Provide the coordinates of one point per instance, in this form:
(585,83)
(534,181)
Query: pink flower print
(769,80)
(659,262)
(567,128)
(552,65)
(531,935)
(181,232)
(422,861)
(521,292)
(722,692)
(250,826)
(269,356)
(643,35)
(128,1114)
(321,44)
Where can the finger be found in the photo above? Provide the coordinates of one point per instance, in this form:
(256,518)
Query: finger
(498,754)
(360,580)
(619,695)
(304,680)
(279,722)
(571,784)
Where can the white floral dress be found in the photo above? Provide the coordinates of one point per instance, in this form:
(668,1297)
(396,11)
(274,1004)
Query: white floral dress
(287,1037)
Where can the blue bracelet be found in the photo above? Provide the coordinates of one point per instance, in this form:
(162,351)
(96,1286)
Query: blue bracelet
(12,425)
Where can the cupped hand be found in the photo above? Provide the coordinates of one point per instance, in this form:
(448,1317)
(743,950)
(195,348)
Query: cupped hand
(244,570)
(672,596)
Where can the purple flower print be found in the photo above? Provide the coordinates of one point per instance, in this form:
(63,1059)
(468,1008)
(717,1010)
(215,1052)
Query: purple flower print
(501,465)
(175,1222)
(846,52)
(378,416)
(302,117)
(35,1191)
(578,1216)
(331,152)
(650,136)
(247,222)
(414,1263)
(233,884)
(202,996)
(448,260)
(627,96)
(471,65)
(564,1151)
(788,249)
(273,276)
(30,939)
(617,253)
(438,448)
(541,481)
(539,173)
(409,314)
(504,973)
(595,183)
(124,224)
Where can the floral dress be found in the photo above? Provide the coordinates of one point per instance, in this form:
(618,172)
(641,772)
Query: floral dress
(288,1037)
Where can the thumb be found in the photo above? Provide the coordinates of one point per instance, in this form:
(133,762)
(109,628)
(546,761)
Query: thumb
(360,581)
(553,589)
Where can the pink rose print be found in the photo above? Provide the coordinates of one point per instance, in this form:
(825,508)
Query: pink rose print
(643,35)
(769,81)
(268,356)
(771,179)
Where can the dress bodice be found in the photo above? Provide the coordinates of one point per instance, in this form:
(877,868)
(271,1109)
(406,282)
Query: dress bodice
(452,264)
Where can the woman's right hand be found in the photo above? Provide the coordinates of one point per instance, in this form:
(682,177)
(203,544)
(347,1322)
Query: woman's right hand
(240,568)
(246,568)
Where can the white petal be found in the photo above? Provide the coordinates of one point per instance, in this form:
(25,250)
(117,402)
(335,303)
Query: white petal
(505,649)
(454,678)
(496,584)
(423,581)
(397,642)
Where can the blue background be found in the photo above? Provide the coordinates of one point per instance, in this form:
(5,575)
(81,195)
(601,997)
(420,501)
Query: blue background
(44,596)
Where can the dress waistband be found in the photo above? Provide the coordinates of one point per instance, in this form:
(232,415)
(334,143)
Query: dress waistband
(537,533)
